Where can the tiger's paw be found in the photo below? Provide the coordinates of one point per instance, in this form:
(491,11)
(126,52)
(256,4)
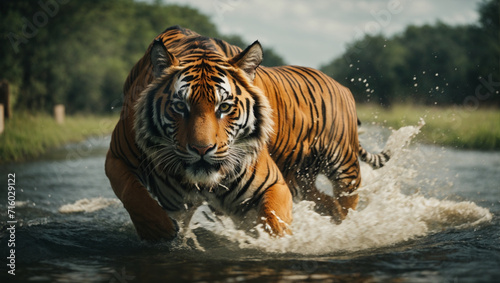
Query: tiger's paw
(275,226)
(154,225)
(156,230)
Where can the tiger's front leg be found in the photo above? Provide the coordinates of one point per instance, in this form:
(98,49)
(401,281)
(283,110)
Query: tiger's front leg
(275,208)
(151,222)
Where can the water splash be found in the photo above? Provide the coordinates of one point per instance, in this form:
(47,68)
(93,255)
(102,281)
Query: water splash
(88,205)
(384,217)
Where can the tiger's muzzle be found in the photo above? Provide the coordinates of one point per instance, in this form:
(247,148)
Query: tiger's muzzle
(202,168)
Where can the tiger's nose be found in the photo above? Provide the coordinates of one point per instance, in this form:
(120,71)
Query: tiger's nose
(201,149)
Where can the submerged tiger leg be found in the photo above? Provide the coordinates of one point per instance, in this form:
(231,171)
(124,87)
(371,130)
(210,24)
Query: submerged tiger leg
(344,181)
(336,206)
(150,220)
(325,204)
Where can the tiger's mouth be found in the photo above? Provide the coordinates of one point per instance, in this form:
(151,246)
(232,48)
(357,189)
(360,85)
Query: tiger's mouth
(203,172)
(203,166)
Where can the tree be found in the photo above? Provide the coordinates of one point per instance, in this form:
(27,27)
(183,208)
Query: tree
(80,52)
(486,35)
(429,64)
(370,67)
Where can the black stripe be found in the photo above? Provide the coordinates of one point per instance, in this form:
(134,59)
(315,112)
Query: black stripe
(244,189)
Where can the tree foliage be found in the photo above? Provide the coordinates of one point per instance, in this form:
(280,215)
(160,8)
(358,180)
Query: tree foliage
(79,52)
(430,64)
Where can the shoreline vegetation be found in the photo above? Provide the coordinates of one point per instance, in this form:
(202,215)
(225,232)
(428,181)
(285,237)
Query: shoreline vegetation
(27,136)
(451,126)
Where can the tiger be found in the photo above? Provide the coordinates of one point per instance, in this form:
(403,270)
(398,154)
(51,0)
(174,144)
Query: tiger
(204,122)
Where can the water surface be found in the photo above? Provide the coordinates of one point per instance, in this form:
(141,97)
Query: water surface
(430,215)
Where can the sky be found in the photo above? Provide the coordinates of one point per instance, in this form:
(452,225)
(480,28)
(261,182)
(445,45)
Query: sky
(312,33)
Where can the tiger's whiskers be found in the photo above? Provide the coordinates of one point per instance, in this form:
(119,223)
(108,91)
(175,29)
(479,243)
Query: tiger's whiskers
(227,189)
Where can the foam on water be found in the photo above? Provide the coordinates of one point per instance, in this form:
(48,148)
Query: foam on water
(384,217)
(88,205)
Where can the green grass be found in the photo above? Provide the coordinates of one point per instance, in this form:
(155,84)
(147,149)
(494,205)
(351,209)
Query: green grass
(452,126)
(26,136)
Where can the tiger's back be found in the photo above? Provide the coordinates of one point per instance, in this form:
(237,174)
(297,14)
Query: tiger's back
(315,128)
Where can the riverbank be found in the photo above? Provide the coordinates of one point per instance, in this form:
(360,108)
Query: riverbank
(456,127)
(26,136)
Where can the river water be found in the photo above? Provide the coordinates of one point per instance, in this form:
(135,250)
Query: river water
(430,215)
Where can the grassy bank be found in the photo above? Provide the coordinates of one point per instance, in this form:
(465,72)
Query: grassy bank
(452,126)
(27,136)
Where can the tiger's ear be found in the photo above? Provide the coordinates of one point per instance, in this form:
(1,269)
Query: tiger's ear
(249,59)
(161,58)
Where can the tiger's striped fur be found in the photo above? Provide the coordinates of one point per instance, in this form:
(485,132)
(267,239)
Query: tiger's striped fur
(202,121)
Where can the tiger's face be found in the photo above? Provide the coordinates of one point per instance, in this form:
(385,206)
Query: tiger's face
(201,118)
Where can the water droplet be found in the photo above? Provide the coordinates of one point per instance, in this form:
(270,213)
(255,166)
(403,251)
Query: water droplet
(437,74)
(415,78)
(350,65)
(415,85)
(352,79)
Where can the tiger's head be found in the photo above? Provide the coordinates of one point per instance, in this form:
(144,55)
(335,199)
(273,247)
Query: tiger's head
(202,119)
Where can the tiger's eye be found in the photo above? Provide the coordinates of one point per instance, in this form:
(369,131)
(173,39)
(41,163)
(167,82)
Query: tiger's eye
(179,107)
(224,107)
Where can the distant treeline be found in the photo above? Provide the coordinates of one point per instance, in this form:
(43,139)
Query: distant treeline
(431,64)
(79,53)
